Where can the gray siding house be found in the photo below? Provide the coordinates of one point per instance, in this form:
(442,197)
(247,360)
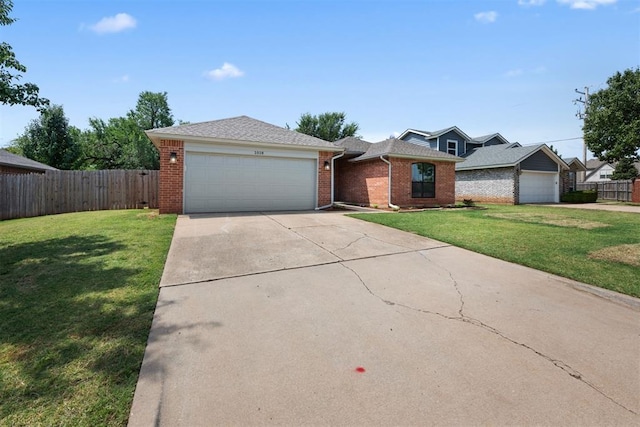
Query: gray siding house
(510,173)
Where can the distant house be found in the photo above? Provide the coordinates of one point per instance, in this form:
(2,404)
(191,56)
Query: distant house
(599,171)
(13,164)
(451,140)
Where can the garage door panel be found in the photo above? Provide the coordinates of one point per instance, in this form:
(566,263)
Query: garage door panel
(538,187)
(225,183)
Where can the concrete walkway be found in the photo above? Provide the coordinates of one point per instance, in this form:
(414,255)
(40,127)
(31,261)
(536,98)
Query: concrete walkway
(318,318)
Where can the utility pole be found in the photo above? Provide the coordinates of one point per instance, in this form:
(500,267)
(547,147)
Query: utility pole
(581,115)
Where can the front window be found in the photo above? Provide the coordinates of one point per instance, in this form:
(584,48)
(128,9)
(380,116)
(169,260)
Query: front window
(423,180)
(452,147)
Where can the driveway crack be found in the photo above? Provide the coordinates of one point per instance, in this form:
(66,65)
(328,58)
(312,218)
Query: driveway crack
(572,372)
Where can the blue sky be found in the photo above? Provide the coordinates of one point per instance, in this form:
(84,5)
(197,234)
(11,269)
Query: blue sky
(508,66)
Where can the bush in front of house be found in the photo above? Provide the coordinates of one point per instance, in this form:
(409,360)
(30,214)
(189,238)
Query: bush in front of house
(585,196)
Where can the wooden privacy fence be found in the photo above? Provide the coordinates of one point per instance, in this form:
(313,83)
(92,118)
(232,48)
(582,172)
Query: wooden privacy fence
(610,190)
(57,192)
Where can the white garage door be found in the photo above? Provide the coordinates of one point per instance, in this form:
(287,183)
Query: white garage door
(227,183)
(539,187)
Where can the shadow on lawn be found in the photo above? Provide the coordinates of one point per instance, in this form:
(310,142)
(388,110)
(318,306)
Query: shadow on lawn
(69,310)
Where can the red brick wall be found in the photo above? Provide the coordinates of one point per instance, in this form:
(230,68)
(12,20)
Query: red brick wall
(171,177)
(324,178)
(367,183)
(635,196)
(11,170)
(364,183)
(401,184)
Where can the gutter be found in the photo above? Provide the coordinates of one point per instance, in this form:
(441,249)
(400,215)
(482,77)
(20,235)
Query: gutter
(332,181)
(391,205)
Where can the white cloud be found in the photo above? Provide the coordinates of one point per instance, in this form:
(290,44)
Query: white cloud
(486,17)
(227,71)
(586,4)
(122,79)
(514,73)
(528,3)
(114,24)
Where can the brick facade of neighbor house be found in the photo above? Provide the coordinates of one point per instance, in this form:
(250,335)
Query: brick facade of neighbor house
(171,176)
(324,178)
(12,170)
(367,183)
(635,195)
(497,185)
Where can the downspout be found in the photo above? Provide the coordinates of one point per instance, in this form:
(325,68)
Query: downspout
(391,205)
(332,177)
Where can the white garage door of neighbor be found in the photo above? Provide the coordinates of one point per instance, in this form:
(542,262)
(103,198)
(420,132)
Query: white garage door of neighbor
(225,183)
(539,187)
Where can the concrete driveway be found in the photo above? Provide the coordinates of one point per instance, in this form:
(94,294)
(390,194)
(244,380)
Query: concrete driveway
(317,318)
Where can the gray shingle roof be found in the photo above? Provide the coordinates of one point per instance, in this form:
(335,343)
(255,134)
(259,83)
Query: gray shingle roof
(396,147)
(436,133)
(353,145)
(495,156)
(10,159)
(240,128)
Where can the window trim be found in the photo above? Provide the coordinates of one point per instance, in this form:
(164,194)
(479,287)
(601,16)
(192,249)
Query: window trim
(455,141)
(422,194)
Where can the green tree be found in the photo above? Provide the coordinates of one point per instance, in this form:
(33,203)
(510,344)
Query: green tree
(11,92)
(329,126)
(120,142)
(152,111)
(612,122)
(50,140)
(625,169)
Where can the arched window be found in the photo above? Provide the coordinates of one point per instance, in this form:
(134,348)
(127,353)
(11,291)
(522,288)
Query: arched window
(423,180)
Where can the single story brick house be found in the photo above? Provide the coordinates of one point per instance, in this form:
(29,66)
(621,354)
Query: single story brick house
(510,173)
(243,164)
(12,164)
(394,173)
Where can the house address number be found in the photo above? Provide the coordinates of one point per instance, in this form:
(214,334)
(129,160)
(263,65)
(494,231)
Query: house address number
(259,153)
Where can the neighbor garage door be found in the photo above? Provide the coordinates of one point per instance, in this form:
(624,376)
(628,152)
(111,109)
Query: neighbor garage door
(538,187)
(228,183)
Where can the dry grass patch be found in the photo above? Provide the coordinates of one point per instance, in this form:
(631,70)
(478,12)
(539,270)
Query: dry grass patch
(550,219)
(626,254)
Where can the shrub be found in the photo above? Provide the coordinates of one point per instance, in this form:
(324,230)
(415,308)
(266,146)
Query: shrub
(468,202)
(585,196)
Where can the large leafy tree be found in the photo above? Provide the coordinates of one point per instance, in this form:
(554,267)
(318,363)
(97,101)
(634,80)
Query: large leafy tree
(50,140)
(120,142)
(612,122)
(12,92)
(329,126)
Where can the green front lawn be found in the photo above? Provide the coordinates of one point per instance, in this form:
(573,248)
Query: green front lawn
(77,295)
(601,248)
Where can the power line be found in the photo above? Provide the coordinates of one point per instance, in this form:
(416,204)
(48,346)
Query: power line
(557,140)
(582,115)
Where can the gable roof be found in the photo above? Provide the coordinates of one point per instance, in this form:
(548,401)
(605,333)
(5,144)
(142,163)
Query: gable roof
(13,160)
(577,161)
(504,155)
(485,138)
(394,147)
(353,145)
(239,129)
(435,134)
